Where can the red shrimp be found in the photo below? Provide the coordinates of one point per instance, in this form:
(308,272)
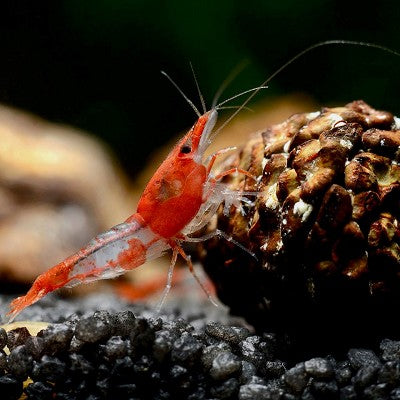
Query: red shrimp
(173,205)
(179,200)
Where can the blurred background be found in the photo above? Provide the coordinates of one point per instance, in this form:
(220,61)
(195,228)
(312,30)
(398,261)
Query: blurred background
(95,66)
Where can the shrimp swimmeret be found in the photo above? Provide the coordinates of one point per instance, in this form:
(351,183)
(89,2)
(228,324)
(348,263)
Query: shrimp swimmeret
(179,200)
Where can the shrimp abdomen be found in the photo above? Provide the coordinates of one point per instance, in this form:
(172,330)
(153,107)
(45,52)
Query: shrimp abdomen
(108,255)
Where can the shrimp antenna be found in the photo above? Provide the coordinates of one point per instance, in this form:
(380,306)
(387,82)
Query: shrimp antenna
(183,94)
(232,75)
(203,104)
(238,95)
(235,108)
(297,56)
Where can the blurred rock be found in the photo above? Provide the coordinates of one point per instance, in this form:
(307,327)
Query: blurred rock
(58,188)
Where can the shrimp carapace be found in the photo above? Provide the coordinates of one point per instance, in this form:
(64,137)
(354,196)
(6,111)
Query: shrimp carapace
(175,192)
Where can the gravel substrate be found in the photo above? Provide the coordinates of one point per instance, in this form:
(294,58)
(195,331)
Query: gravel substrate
(141,355)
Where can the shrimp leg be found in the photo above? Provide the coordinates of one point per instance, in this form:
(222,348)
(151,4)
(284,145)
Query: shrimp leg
(169,279)
(219,233)
(176,246)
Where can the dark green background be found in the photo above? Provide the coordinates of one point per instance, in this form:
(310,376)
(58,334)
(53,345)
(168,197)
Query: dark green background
(96,64)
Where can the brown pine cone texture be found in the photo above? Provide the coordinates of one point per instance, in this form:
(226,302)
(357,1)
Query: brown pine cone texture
(325,227)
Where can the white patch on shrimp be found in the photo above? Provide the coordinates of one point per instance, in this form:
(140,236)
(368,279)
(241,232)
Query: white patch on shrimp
(105,255)
(205,136)
(302,209)
(208,208)
(99,259)
(156,249)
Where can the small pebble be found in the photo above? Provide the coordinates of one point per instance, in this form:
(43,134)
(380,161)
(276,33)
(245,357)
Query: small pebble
(3,338)
(225,390)
(307,394)
(10,387)
(254,392)
(76,345)
(92,329)
(17,337)
(115,347)
(49,368)
(362,357)
(319,368)
(257,380)
(395,394)
(35,346)
(198,394)
(324,390)
(248,372)
(163,342)
(230,334)
(57,338)
(348,393)
(142,335)
(177,372)
(39,391)
(365,376)
(122,369)
(179,325)
(210,352)
(125,322)
(19,362)
(125,390)
(143,367)
(250,352)
(376,392)
(343,373)
(390,349)
(79,365)
(296,378)
(104,371)
(389,373)
(3,361)
(273,369)
(186,350)
(224,365)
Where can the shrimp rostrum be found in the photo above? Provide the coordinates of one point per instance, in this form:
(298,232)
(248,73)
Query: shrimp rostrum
(179,199)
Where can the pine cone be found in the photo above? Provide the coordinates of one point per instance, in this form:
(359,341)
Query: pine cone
(325,226)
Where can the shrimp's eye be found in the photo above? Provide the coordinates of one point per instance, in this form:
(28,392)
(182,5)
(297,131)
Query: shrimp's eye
(185,149)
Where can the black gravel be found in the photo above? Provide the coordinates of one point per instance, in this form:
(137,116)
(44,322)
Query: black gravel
(182,354)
